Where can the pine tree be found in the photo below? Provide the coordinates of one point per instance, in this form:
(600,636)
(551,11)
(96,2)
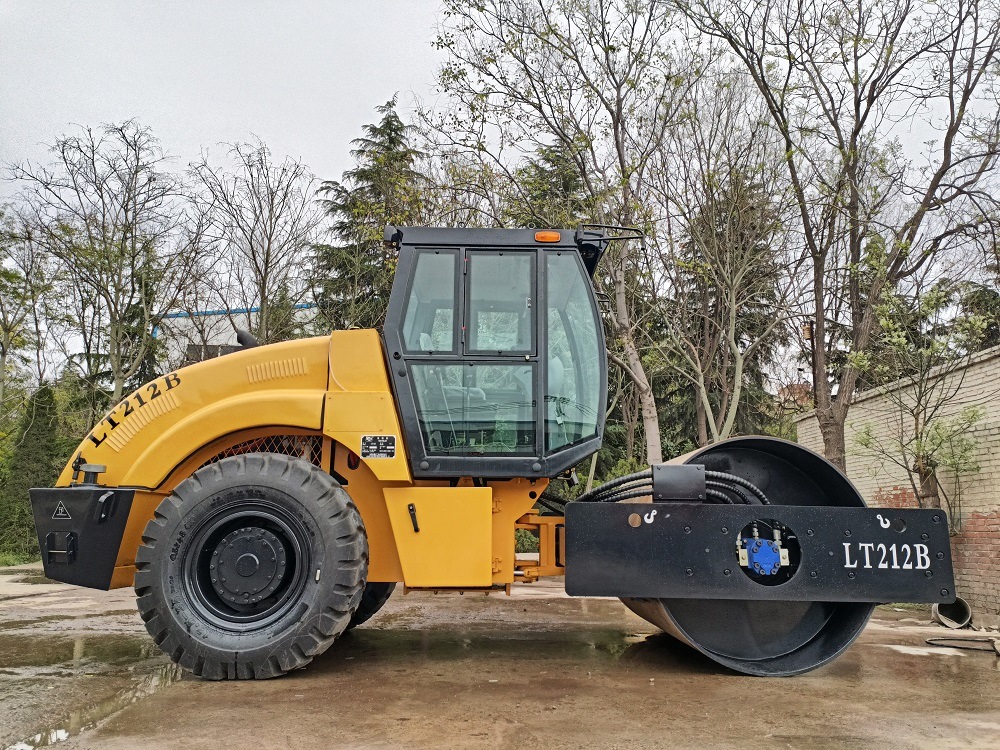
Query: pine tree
(550,191)
(354,273)
(34,462)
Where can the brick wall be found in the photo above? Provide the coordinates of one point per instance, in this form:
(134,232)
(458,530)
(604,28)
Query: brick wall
(976,552)
(976,497)
(893,497)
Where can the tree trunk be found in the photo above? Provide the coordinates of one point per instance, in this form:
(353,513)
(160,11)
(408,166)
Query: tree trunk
(647,404)
(733,404)
(630,418)
(831,415)
(118,375)
(701,419)
(927,496)
(590,474)
(651,426)
(3,377)
(644,392)
(831,426)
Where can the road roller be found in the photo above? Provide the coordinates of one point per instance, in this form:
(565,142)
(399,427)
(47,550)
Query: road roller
(264,502)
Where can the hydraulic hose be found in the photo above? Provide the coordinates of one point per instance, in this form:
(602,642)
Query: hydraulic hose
(645,473)
(733,479)
(722,497)
(639,484)
(631,485)
(730,488)
(627,495)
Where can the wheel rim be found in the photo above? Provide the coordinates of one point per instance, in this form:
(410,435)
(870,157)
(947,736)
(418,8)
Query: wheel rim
(246,566)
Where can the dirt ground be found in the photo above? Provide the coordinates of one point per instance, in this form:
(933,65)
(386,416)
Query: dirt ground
(536,670)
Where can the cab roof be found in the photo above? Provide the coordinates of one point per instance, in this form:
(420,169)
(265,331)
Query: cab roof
(590,244)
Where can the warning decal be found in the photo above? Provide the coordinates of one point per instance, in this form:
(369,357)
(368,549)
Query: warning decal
(61,513)
(378,446)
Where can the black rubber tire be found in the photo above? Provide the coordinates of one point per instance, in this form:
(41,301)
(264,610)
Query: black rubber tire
(328,543)
(375,596)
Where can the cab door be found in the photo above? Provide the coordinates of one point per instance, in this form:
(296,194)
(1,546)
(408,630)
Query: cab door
(470,356)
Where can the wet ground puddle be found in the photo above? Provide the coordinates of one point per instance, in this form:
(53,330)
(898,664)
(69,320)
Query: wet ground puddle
(132,658)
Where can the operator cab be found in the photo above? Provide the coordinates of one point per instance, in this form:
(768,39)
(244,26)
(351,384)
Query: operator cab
(496,350)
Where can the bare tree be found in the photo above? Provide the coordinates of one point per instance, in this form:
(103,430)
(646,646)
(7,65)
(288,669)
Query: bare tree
(13,309)
(107,210)
(600,79)
(727,279)
(23,287)
(841,80)
(262,219)
(463,188)
(197,320)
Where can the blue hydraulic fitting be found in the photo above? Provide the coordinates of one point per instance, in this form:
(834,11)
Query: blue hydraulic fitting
(763,556)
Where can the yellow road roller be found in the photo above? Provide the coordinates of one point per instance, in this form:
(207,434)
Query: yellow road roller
(264,502)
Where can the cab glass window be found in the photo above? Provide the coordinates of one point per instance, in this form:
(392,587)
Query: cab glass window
(478,409)
(500,316)
(429,320)
(572,364)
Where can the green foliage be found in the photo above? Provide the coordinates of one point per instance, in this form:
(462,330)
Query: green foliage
(550,191)
(525,541)
(15,396)
(284,322)
(82,397)
(74,409)
(353,275)
(35,461)
(622,467)
(676,410)
(932,328)
(945,442)
(16,288)
(865,438)
(13,308)
(949,442)
(983,302)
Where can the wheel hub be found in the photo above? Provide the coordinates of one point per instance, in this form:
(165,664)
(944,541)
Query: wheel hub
(248,565)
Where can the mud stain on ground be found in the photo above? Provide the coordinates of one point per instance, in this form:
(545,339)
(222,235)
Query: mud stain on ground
(36,580)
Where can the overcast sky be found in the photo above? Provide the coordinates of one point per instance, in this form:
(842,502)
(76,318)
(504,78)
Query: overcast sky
(304,76)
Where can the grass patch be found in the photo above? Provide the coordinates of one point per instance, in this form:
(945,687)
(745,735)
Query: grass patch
(12,558)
